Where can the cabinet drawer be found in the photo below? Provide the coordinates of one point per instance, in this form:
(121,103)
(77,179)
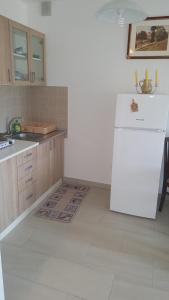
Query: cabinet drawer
(26,156)
(25,181)
(27,197)
(26,169)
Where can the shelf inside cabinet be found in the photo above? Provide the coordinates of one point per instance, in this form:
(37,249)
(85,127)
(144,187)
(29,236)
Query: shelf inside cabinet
(36,59)
(22,56)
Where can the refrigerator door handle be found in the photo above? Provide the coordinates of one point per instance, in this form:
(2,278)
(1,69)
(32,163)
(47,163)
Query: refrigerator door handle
(142,129)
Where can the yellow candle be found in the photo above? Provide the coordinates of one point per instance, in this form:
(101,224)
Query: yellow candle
(146,74)
(156,78)
(136,78)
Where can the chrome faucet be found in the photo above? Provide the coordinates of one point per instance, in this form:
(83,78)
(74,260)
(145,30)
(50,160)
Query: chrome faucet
(9,126)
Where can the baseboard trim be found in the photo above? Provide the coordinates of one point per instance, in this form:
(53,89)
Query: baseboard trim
(87,182)
(5,232)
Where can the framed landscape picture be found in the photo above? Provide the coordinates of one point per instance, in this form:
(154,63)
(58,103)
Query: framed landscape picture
(149,39)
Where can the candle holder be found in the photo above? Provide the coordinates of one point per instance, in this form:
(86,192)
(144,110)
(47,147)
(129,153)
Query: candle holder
(145,87)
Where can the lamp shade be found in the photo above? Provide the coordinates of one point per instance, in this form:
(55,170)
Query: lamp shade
(121,12)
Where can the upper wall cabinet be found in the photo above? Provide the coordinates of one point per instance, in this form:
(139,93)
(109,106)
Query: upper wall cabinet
(22,54)
(5,55)
(28,55)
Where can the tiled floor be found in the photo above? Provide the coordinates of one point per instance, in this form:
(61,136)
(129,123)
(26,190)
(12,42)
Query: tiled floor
(99,256)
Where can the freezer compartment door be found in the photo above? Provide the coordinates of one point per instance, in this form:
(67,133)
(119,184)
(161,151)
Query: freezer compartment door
(151,111)
(137,159)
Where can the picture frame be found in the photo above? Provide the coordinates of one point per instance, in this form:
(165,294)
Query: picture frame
(149,39)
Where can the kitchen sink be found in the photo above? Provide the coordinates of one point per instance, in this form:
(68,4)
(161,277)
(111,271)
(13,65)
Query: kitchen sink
(28,136)
(31,137)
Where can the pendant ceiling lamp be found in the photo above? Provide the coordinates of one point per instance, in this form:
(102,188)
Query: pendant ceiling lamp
(121,12)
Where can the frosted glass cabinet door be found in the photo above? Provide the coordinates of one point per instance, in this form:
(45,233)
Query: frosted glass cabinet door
(20,53)
(37,58)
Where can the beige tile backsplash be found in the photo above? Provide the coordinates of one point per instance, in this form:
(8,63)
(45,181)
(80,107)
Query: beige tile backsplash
(34,104)
(13,102)
(50,104)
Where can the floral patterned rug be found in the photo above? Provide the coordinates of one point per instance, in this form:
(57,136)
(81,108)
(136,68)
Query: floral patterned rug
(63,204)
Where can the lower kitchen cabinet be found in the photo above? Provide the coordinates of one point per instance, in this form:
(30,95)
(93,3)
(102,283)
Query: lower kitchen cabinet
(25,177)
(50,162)
(43,164)
(2,296)
(27,196)
(58,157)
(26,164)
(9,201)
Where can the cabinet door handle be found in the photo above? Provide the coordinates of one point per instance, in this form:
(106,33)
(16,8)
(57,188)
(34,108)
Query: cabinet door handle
(28,155)
(51,145)
(29,180)
(28,168)
(29,197)
(9,75)
(30,77)
(33,76)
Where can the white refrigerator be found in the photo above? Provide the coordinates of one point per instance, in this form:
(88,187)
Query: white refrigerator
(139,133)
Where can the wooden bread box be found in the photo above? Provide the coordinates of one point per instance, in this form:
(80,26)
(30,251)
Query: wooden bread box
(38,127)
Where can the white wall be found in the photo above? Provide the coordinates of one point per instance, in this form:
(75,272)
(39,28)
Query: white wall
(89,57)
(14,9)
